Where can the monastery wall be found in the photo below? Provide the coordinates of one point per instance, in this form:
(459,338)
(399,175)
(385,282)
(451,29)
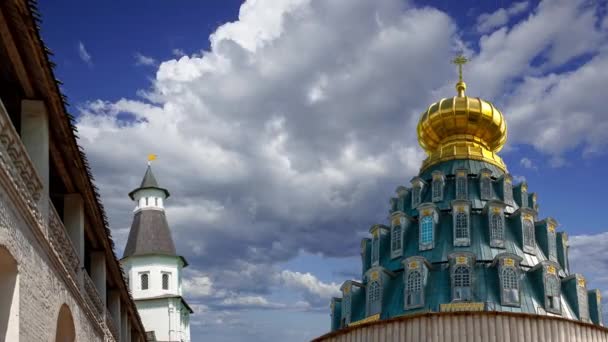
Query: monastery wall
(42,284)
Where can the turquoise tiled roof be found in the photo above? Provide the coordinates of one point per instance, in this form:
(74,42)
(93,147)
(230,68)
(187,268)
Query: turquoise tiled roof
(486,284)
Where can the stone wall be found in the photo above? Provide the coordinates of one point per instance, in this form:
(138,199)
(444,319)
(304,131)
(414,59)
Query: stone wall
(44,285)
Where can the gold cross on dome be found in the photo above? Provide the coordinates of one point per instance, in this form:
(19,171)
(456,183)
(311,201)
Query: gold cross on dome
(460,60)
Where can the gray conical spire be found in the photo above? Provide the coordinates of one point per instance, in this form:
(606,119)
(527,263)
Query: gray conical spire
(149,182)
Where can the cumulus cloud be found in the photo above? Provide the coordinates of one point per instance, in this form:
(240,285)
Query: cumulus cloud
(315,291)
(527,163)
(178,52)
(144,60)
(84,54)
(588,256)
(489,21)
(272,143)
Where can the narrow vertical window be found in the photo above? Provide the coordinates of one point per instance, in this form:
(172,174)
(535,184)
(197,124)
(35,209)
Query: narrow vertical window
(462,225)
(413,293)
(165,281)
(496,227)
(144,281)
(437,187)
(462,284)
(416,196)
(552,244)
(583,304)
(396,240)
(528,233)
(486,188)
(510,286)
(461,186)
(552,290)
(374,293)
(524,200)
(507,191)
(346,308)
(375,250)
(426,231)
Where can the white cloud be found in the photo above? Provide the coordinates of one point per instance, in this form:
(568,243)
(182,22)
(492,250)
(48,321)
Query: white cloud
(250,302)
(272,139)
(489,21)
(527,163)
(310,284)
(84,54)
(144,60)
(588,256)
(178,52)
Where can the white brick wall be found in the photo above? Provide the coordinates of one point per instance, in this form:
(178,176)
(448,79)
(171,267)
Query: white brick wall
(42,289)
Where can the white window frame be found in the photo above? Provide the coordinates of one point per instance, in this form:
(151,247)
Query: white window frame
(370,296)
(397,239)
(163,274)
(141,280)
(461,208)
(528,236)
(375,249)
(458,292)
(553,294)
(503,286)
(461,185)
(485,187)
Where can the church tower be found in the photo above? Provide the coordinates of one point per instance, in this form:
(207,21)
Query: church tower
(153,267)
(464,254)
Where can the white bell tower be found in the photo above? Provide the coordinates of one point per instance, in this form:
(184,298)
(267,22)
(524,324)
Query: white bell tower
(153,268)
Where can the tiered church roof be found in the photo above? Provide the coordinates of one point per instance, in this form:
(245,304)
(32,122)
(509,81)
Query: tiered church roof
(462,236)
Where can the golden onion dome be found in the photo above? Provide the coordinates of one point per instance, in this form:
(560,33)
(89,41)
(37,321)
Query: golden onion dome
(462,127)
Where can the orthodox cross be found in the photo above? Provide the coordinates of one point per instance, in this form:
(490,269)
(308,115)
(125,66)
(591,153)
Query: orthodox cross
(460,60)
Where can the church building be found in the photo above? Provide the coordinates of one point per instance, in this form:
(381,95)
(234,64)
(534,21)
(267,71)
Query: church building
(153,267)
(464,255)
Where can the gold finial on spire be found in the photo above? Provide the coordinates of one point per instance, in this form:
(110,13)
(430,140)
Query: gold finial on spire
(460,60)
(151,157)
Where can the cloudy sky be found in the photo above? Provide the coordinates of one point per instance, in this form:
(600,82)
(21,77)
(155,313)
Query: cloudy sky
(282,128)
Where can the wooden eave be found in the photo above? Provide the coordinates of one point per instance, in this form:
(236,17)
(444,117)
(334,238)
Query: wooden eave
(20,35)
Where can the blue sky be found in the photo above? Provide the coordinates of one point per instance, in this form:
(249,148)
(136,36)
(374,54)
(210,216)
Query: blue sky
(284,126)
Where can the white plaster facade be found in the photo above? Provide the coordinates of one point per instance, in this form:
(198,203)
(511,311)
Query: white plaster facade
(158,297)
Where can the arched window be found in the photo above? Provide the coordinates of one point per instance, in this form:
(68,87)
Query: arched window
(437,189)
(413,291)
(462,225)
(396,240)
(583,304)
(528,233)
(524,199)
(426,231)
(552,245)
(416,196)
(510,286)
(486,188)
(9,297)
(552,290)
(346,304)
(65,331)
(462,283)
(496,227)
(144,281)
(461,187)
(165,281)
(508,191)
(374,296)
(375,250)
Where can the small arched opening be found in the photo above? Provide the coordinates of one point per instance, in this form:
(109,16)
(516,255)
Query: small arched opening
(65,326)
(9,297)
